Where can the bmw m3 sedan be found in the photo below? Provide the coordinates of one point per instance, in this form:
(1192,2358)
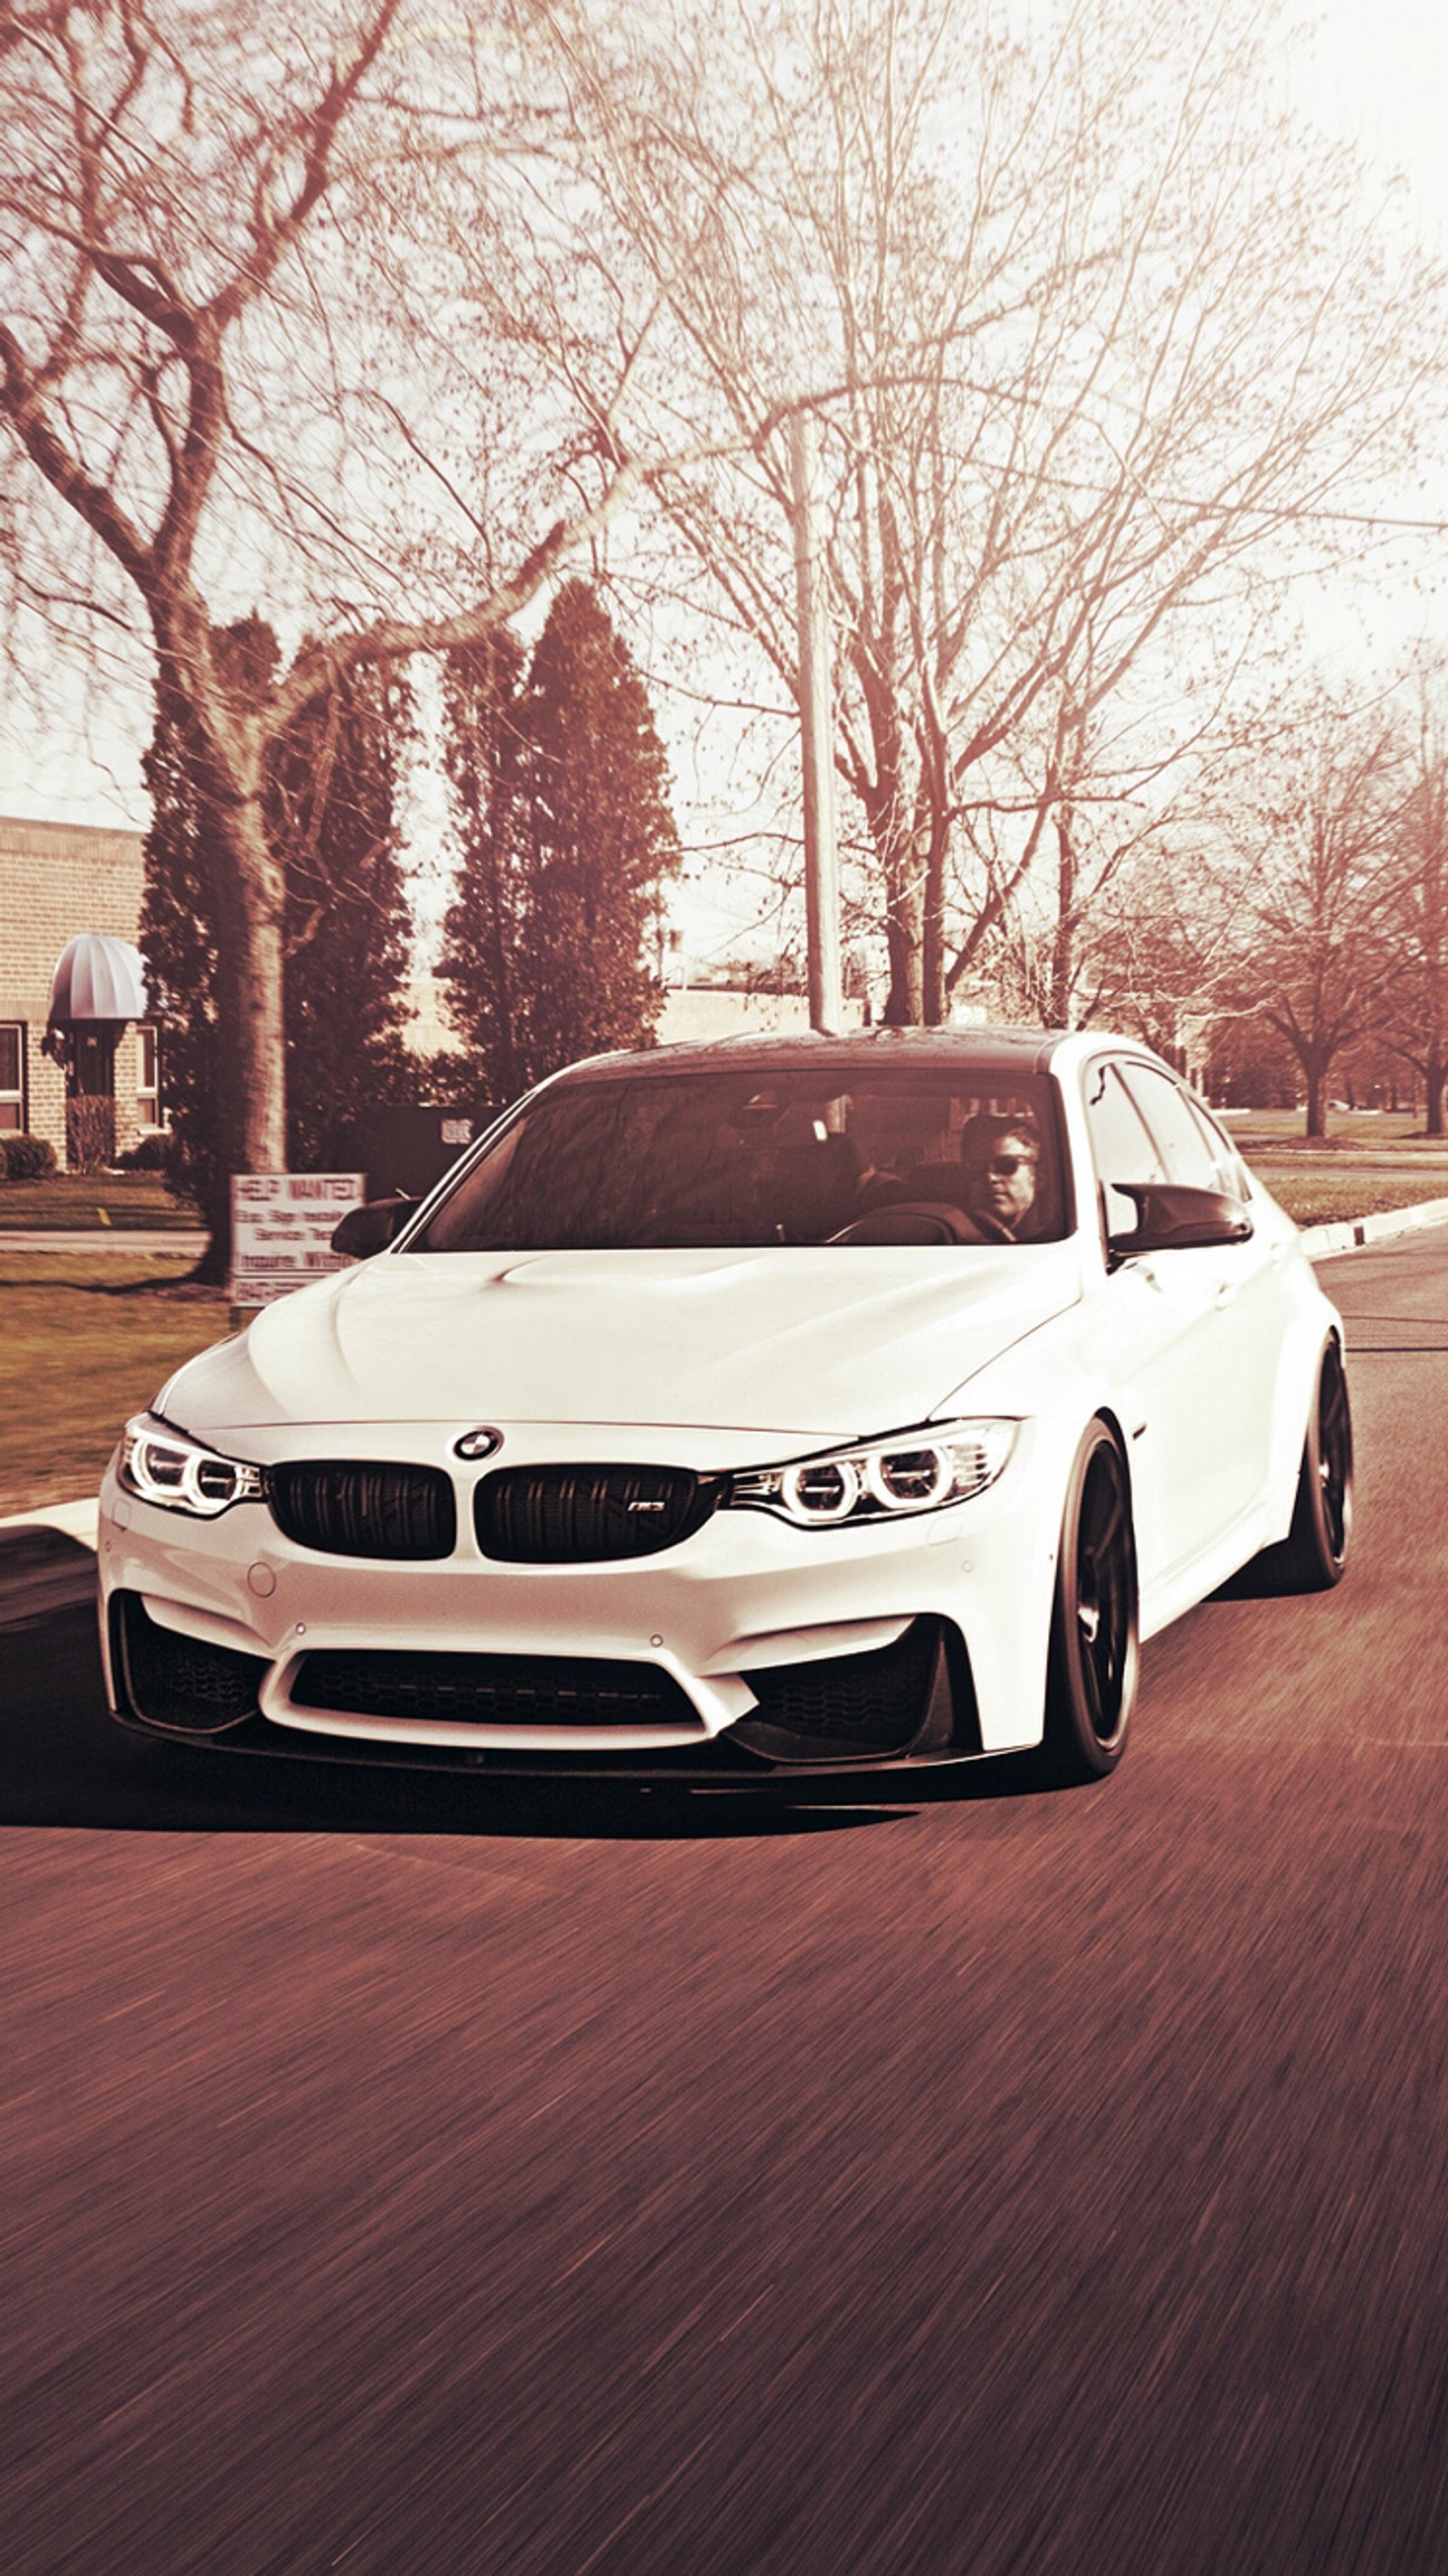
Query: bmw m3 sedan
(735,1412)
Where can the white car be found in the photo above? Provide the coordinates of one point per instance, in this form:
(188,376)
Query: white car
(741,1411)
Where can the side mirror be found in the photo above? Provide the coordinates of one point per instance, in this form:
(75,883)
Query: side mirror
(369,1229)
(1170,1218)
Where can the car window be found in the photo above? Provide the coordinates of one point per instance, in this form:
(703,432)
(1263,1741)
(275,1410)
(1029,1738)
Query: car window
(1122,1148)
(628,1161)
(1232,1174)
(1188,1159)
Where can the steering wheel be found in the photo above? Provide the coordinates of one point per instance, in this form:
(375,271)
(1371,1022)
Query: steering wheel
(911,1221)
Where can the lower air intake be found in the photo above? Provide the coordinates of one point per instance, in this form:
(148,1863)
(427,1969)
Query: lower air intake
(852,1706)
(179,1682)
(489,1690)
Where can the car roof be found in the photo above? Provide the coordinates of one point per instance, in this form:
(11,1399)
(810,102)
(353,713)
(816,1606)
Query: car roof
(1000,1050)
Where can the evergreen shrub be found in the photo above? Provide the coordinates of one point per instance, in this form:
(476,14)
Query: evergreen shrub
(26,1158)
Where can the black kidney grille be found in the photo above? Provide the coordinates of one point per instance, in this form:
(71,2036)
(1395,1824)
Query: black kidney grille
(580,1515)
(490,1690)
(353,1507)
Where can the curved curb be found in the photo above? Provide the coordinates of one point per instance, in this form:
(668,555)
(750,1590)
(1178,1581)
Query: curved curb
(1354,1234)
(74,1520)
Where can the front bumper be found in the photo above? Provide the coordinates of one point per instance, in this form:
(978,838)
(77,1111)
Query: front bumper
(749,1648)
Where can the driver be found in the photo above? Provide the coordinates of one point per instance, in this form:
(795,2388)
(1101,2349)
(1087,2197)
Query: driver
(1001,1160)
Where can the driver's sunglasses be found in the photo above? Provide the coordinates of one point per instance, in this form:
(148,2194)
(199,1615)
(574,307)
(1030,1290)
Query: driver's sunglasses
(1009,1164)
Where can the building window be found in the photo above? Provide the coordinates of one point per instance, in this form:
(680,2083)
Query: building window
(12,1075)
(148,1079)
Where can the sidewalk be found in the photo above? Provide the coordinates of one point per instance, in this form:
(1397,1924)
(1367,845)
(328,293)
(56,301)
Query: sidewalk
(75,1523)
(185,1241)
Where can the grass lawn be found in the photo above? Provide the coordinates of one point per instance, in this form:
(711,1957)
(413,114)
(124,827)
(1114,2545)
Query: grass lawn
(1365,1134)
(1313,1196)
(1369,1161)
(74,1200)
(76,1358)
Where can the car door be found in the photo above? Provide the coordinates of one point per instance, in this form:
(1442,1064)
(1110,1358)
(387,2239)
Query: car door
(1160,1320)
(1247,1299)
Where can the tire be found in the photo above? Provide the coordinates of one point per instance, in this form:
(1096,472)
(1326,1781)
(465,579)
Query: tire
(1091,1674)
(1313,1555)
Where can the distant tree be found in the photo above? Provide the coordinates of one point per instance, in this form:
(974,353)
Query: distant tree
(333,816)
(331,831)
(189,958)
(480,690)
(1416,1018)
(568,841)
(1321,823)
(1251,1067)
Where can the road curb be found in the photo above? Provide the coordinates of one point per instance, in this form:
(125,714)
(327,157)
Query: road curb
(1355,1234)
(1319,1242)
(74,1520)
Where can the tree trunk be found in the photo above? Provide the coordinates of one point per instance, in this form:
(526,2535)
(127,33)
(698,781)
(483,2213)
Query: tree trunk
(934,1000)
(1435,1076)
(250,1024)
(904,937)
(1063,943)
(255,1115)
(1316,1099)
(904,869)
(905,1000)
(208,670)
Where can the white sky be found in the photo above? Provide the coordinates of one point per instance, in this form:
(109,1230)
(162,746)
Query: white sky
(1382,71)
(1379,74)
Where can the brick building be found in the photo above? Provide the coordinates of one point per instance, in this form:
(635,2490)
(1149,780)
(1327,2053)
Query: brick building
(58,879)
(61,879)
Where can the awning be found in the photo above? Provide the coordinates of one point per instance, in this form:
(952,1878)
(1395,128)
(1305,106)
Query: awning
(98,978)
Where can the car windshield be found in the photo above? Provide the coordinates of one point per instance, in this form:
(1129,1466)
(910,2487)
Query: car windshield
(643,1160)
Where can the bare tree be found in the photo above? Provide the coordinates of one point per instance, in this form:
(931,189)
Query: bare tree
(1102,330)
(1316,828)
(1416,1017)
(206,394)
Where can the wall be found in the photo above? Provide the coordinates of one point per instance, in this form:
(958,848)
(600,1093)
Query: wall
(696,1013)
(57,879)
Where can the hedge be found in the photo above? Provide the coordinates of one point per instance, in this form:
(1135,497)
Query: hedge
(26,1158)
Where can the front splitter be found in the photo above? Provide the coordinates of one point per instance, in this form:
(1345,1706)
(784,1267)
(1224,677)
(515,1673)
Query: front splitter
(712,1765)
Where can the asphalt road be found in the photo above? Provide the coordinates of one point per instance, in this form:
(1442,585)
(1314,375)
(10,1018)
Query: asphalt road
(438,2180)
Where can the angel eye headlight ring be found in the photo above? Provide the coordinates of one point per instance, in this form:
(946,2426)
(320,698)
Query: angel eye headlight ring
(924,1470)
(821,1490)
(906,1479)
(178,1474)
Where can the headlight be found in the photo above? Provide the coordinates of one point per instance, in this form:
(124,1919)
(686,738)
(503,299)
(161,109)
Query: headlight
(914,1471)
(163,1466)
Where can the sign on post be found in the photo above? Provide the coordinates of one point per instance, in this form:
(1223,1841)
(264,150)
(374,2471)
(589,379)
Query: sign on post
(281,1230)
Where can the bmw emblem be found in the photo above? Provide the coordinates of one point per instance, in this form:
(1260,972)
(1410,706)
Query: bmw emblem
(478,1444)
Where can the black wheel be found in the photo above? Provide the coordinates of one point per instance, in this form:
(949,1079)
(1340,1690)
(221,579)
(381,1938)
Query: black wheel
(1313,1555)
(1091,1676)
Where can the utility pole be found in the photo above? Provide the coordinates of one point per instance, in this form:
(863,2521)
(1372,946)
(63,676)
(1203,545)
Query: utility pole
(816,710)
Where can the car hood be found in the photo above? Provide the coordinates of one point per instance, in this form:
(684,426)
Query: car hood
(824,1341)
